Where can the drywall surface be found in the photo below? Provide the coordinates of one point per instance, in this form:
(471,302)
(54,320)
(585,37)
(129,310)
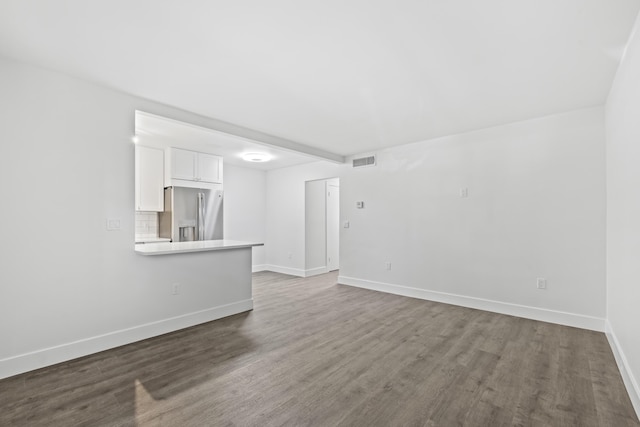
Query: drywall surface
(484,214)
(67,164)
(245,196)
(286,213)
(623,214)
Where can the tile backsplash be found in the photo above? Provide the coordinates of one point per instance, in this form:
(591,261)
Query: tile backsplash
(146,225)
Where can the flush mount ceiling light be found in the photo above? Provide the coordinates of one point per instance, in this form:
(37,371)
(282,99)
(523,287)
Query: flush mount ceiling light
(256,157)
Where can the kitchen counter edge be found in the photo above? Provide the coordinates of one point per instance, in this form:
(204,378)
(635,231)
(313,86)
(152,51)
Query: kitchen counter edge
(168,248)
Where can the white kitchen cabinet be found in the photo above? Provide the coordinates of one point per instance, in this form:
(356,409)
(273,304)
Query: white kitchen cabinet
(183,164)
(188,168)
(209,168)
(149,176)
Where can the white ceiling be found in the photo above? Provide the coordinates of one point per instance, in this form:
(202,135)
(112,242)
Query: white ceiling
(161,132)
(346,76)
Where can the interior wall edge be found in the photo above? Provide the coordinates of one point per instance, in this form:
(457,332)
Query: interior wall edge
(534,313)
(630,382)
(62,353)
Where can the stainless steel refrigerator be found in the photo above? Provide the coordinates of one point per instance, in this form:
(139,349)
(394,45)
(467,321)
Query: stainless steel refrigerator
(191,214)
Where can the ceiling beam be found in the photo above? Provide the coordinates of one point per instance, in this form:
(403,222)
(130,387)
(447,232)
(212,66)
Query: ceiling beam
(243,132)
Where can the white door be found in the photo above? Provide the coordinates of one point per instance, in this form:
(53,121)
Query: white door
(333,224)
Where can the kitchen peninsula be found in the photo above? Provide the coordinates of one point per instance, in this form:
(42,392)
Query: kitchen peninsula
(212,276)
(166,248)
(219,271)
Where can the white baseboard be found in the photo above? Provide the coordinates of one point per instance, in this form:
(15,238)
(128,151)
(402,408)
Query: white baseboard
(285,270)
(625,370)
(296,271)
(259,267)
(527,312)
(315,271)
(62,353)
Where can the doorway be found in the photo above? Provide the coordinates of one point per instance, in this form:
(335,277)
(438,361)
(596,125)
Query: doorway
(322,226)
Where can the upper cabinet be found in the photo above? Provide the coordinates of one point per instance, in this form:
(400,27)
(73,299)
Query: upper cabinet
(149,176)
(209,168)
(181,164)
(185,168)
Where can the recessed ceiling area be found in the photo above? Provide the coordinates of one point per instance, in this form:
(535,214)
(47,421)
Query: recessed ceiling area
(162,132)
(346,77)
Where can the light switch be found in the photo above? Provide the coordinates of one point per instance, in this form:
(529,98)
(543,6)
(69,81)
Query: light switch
(346,224)
(360,205)
(113,224)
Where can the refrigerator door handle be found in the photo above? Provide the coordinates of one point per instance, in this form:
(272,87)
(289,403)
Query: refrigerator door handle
(201,216)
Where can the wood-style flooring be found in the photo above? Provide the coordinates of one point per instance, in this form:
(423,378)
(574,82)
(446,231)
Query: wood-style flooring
(313,353)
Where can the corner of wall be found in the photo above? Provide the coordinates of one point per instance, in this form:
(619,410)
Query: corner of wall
(633,389)
(258,267)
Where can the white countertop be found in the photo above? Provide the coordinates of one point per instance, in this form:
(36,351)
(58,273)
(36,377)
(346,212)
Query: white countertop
(166,248)
(152,239)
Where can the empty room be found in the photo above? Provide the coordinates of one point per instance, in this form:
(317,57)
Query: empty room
(336,213)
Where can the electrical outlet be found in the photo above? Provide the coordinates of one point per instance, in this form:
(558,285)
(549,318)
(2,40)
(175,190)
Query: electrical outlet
(464,192)
(289,255)
(387,265)
(541,283)
(175,289)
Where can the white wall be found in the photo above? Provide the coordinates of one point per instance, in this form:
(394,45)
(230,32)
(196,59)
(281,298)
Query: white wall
(535,208)
(623,215)
(67,164)
(286,214)
(245,196)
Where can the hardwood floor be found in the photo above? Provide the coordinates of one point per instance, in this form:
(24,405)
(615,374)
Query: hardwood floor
(313,353)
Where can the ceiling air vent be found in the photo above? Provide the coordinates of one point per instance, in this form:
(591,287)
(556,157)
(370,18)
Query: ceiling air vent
(364,161)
